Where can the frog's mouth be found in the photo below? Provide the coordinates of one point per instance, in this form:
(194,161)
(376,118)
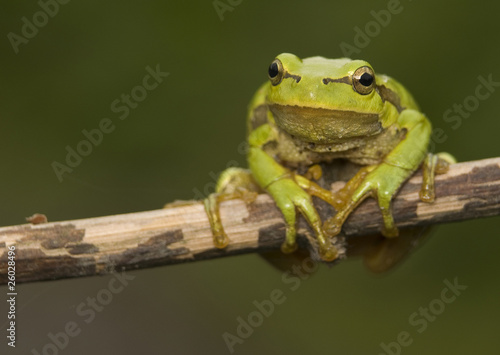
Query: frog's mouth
(325,126)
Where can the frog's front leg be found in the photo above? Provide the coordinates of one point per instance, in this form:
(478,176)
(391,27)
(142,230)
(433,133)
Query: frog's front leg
(432,165)
(233,183)
(383,180)
(286,191)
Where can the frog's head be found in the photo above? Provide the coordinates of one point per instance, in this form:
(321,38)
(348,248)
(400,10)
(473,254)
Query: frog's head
(324,101)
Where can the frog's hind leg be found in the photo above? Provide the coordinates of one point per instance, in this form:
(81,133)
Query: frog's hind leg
(344,202)
(385,253)
(233,183)
(432,165)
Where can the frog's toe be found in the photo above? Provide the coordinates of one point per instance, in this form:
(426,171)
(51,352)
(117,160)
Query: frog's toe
(288,247)
(432,165)
(233,183)
(290,199)
(246,195)
(446,158)
(390,231)
(219,236)
(328,253)
(332,226)
(426,195)
(314,172)
(442,166)
(221,241)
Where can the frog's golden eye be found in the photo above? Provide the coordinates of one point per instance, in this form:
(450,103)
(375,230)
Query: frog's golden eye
(363,80)
(276,72)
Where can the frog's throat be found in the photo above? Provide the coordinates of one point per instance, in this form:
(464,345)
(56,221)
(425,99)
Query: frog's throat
(325,126)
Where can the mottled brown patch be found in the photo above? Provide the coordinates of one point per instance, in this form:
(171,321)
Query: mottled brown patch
(272,235)
(164,239)
(153,252)
(2,245)
(34,265)
(483,199)
(51,236)
(82,248)
(489,172)
(258,212)
(453,185)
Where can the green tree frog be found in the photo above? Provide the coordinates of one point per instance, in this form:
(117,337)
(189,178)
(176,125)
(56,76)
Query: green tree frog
(316,110)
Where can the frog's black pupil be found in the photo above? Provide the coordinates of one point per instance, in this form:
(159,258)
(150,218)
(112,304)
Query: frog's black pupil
(366,79)
(273,70)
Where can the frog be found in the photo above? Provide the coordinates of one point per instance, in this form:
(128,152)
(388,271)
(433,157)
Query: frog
(317,110)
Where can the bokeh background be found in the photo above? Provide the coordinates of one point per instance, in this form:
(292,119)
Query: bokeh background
(189,128)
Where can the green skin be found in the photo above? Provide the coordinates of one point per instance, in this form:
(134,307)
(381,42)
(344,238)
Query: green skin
(316,110)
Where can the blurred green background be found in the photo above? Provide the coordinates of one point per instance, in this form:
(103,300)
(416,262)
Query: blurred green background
(63,81)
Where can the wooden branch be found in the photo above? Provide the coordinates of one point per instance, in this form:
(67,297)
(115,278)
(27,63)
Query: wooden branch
(181,232)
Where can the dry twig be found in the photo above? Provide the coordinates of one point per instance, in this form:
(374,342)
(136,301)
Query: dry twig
(181,233)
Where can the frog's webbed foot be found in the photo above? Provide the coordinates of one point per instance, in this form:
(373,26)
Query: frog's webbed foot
(432,165)
(378,181)
(314,172)
(233,183)
(382,182)
(291,197)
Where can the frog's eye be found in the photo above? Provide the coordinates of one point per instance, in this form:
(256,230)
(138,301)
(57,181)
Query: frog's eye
(276,72)
(363,80)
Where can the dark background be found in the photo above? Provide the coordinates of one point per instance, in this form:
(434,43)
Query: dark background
(188,129)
